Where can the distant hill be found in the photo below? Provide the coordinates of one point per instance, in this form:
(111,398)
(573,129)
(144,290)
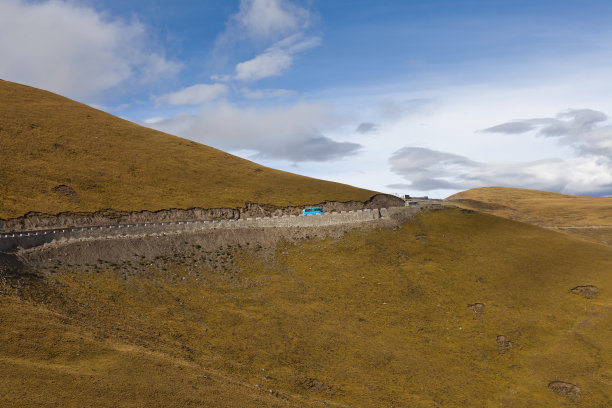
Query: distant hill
(58,155)
(589,218)
(538,207)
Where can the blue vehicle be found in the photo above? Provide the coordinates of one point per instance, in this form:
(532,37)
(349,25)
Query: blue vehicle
(312,211)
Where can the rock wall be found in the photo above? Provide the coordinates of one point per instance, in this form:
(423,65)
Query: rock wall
(36,221)
(188,240)
(10,241)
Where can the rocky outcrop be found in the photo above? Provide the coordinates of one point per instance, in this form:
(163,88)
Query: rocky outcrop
(115,244)
(586,291)
(566,389)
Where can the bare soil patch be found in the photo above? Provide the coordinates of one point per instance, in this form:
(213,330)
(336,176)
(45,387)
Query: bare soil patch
(565,389)
(586,291)
(478,308)
(504,344)
(66,191)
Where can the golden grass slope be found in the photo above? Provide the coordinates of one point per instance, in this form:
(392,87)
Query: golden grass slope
(378,318)
(62,362)
(538,207)
(589,218)
(48,141)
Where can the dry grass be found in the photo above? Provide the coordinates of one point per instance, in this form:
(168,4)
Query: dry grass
(53,360)
(544,209)
(377,318)
(48,141)
(538,207)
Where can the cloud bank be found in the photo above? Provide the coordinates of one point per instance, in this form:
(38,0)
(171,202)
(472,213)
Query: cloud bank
(74,50)
(276,32)
(589,173)
(579,128)
(287,133)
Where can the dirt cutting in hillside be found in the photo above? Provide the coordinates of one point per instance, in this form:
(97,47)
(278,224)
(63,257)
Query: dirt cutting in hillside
(36,221)
(189,243)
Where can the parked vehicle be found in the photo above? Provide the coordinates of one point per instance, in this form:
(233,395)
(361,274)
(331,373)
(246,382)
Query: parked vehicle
(312,211)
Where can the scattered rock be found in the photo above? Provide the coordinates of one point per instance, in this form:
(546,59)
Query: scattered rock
(586,291)
(565,389)
(312,384)
(403,255)
(478,308)
(503,343)
(66,191)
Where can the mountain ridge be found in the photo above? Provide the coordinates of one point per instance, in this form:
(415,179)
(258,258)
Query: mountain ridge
(58,155)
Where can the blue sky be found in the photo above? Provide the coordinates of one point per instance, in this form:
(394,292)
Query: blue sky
(412,97)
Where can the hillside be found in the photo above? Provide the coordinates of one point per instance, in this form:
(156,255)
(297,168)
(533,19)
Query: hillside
(587,217)
(538,207)
(454,309)
(57,155)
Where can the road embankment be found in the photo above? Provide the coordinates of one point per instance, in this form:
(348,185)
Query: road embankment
(35,221)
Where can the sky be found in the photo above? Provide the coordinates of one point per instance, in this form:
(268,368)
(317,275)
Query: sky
(419,97)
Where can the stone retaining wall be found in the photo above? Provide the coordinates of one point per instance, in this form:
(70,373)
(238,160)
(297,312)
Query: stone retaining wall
(30,239)
(36,221)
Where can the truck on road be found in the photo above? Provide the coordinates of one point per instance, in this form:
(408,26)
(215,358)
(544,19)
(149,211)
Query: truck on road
(312,211)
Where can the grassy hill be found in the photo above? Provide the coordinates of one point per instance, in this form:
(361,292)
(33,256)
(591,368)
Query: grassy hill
(58,155)
(585,217)
(455,308)
(406,317)
(538,207)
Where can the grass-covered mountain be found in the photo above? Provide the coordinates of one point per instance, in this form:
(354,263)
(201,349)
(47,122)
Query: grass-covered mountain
(58,155)
(455,308)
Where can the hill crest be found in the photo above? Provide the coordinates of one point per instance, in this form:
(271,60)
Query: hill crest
(58,155)
(541,208)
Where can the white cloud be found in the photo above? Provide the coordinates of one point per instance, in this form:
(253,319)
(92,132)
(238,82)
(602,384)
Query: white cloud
(269,19)
(74,50)
(294,133)
(194,95)
(426,170)
(266,93)
(580,128)
(366,127)
(278,25)
(588,172)
(153,120)
(274,61)
(446,118)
